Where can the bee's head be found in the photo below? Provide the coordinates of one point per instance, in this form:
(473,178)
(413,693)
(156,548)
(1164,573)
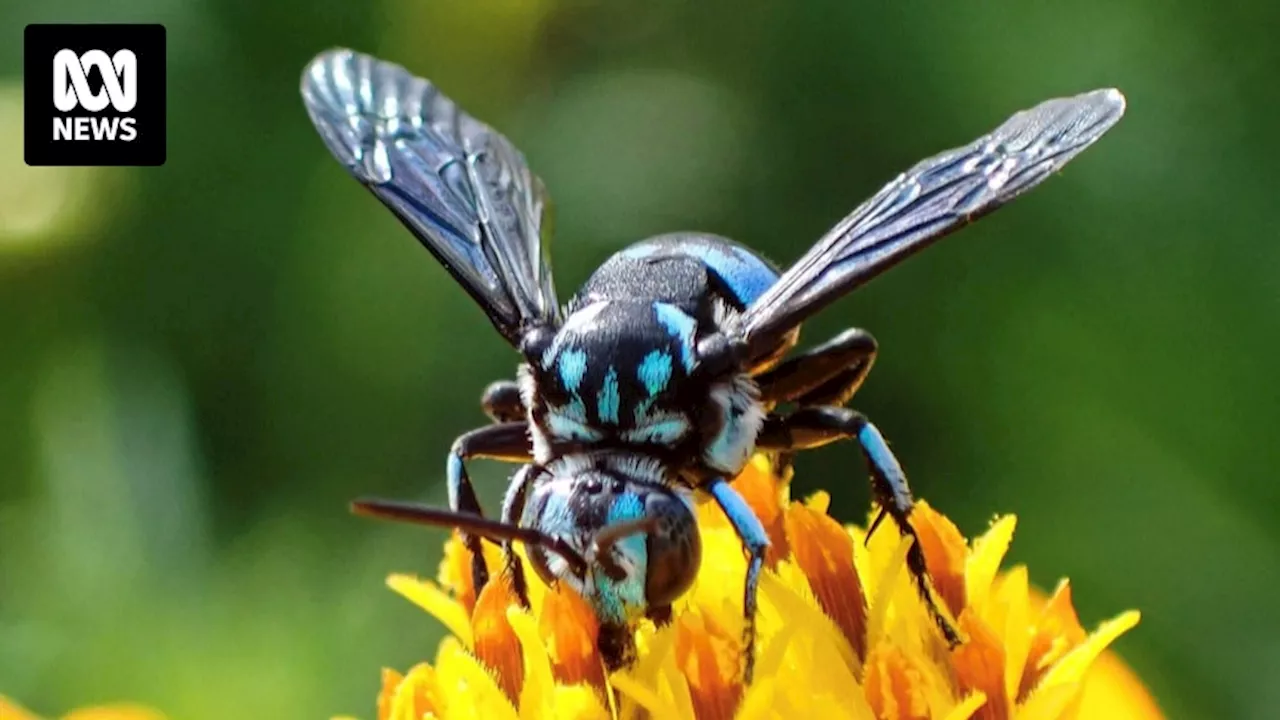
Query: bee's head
(610,525)
(636,535)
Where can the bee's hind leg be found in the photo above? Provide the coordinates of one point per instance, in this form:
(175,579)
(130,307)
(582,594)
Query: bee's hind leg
(810,427)
(829,374)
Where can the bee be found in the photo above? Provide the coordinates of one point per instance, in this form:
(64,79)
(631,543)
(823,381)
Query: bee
(652,386)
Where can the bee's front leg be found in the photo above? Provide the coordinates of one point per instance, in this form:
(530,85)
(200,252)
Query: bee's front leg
(504,441)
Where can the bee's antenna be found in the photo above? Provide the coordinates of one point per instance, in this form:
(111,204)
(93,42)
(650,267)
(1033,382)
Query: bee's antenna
(420,514)
(607,537)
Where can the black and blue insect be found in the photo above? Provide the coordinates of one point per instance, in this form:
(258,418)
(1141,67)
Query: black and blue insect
(657,381)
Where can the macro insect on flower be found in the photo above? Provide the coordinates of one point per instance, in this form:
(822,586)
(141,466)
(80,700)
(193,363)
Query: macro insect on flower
(670,367)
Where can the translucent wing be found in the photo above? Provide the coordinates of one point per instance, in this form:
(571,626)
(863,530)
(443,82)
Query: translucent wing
(936,197)
(459,186)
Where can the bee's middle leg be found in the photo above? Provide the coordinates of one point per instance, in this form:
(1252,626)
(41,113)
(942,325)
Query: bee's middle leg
(828,374)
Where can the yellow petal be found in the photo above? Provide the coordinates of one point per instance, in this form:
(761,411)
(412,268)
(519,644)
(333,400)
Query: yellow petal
(984,560)
(1057,631)
(885,586)
(824,552)
(410,696)
(428,596)
(791,605)
(496,645)
(979,665)
(571,630)
(536,696)
(643,695)
(1073,667)
(944,551)
(1017,627)
(709,655)
(820,652)
(758,704)
(1111,688)
(386,695)
(893,685)
(576,702)
(473,693)
(965,710)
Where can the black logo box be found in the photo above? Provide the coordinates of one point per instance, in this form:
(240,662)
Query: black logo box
(41,43)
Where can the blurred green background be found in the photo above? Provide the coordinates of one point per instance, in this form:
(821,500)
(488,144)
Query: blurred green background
(201,363)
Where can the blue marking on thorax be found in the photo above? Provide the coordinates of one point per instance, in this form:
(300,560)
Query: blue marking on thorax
(662,432)
(655,372)
(642,411)
(607,402)
(575,410)
(681,327)
(572,366)
(570,420)
(563,426)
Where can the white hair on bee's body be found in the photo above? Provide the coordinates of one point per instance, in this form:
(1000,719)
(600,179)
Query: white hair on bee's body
(630,466)
(738,400)
(723,315)
(528,385)
(581,322)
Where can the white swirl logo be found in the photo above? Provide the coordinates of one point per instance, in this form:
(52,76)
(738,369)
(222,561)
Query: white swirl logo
(71,80)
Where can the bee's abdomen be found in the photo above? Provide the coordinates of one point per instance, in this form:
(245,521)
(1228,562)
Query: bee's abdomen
(684,269)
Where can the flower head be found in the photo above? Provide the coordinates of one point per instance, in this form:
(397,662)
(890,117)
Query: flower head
(842,633)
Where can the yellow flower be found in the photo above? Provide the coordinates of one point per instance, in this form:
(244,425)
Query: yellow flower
(843,633)
(10,710)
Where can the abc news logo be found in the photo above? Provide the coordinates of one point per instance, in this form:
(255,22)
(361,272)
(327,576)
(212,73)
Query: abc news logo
(71,90)
(94,95)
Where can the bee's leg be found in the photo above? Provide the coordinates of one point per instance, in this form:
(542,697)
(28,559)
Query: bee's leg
(501,401)
(512,509)
(504,441)
(828,374)
(816,426)
(755,541)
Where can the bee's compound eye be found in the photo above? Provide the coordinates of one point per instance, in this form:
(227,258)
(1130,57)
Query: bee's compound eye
(674,548)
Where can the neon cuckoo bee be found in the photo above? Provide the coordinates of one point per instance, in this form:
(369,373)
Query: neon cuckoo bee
(657,381)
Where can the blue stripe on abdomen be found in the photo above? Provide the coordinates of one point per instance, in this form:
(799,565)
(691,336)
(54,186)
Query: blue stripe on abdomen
(745,274)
